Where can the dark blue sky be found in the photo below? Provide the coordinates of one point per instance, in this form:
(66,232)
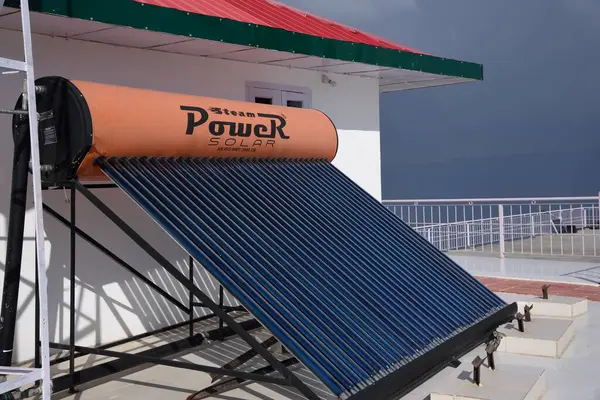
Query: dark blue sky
(531,128)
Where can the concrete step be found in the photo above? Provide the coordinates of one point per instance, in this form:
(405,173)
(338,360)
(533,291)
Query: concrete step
(555,306)
(544,337)
(507,382)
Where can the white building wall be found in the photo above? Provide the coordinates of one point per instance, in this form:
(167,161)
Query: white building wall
(110,303)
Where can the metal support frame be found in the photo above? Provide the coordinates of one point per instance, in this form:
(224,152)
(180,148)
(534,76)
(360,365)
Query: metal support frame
(245,357)
(116,259)
(29,111)
(226,385)
(521,325)
(72,290)
(197,298)
(171,363)
(220,303)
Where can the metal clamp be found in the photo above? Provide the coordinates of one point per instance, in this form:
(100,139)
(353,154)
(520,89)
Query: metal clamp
(43,167)
(477,363)
(527,310)
(520,322)
(491,347)
(24,112)
(545,292)
(280,348)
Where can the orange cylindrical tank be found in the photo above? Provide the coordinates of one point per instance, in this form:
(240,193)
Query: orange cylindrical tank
(109,120)
(138,122)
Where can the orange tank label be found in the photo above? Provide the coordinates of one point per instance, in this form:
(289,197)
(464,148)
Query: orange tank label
(236,136)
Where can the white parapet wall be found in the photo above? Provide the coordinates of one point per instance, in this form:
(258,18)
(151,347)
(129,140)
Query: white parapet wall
(110,303)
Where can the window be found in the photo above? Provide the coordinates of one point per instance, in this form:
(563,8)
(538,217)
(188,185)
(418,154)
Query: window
(279,95)
(264,96)
(263,100)
(292,99)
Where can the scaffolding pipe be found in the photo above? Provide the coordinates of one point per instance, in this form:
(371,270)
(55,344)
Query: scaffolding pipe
(14,250)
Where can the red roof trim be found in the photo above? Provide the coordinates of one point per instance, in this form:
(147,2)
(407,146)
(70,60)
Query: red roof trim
(276,15)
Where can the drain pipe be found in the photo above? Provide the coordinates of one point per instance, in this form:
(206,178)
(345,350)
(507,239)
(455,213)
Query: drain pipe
(14,249)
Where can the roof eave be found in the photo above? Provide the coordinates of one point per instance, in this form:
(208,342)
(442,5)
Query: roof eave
(171,21)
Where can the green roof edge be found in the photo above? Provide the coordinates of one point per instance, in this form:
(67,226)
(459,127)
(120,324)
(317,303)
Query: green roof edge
(166,20)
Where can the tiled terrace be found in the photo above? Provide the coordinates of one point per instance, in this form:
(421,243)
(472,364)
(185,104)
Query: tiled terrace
(519,286)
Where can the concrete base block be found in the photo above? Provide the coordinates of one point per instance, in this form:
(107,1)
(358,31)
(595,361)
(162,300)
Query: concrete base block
(507,382)
(556,306)
(543,337)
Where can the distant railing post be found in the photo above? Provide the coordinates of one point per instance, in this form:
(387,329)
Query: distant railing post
(594,214)
(501,228)
(468,235)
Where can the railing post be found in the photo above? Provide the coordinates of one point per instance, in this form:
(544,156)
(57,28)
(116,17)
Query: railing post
(468,235)
(501,226)
(594,214)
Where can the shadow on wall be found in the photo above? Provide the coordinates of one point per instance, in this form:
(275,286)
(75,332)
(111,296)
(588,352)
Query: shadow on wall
(117,294)
(110,303)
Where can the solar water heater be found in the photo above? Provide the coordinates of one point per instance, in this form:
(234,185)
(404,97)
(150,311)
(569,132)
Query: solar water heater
(249,191)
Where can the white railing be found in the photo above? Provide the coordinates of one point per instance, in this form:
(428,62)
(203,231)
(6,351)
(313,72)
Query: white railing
(562,226)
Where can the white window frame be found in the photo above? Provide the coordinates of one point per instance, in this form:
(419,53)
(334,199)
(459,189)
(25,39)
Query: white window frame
(305,92)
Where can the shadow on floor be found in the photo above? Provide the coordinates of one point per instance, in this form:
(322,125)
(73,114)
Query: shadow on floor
(589,274)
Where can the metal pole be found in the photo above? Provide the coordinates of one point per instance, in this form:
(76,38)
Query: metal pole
(220,304)
(468,235)
(14,248)
(13,112)
(191,297)
(37,200)
(491,361)
(501,225)
(36,362)
(37,315)
(16,227)
(72,291)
